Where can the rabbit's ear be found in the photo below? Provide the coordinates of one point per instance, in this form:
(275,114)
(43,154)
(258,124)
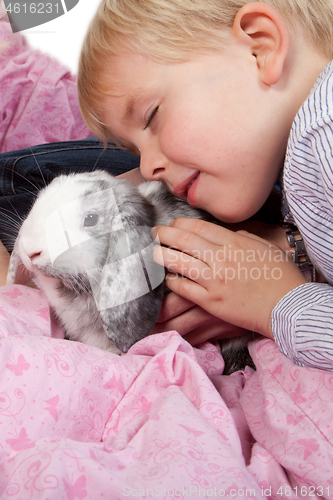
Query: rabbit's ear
(130,290)
(128,323)
(17,274)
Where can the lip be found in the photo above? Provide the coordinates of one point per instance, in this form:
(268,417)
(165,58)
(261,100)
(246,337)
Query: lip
(191,191)
(182,189)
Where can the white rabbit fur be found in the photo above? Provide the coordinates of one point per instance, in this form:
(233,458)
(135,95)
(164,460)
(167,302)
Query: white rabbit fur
(96,254)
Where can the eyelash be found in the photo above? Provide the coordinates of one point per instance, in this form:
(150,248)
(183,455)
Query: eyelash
(151,117)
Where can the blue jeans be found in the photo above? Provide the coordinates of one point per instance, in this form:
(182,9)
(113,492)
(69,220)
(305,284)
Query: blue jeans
(24,172)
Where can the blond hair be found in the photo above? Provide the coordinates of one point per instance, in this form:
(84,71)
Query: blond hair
(172,31)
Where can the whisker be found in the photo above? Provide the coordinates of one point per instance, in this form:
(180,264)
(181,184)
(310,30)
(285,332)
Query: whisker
(33,154)
(33,193)
(28,180)
(12,222)
(10,213)
(12,225)
(9,230)
(14,210)
(94,167)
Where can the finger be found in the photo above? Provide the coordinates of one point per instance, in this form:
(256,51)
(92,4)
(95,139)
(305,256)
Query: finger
(214,233)
(191,319)
(173,306)
(187,288)
(187,242)
(207,230)
(254,237)
(214,331)
(183,264)
(278,252)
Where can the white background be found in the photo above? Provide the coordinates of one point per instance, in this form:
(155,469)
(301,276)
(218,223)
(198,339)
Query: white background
(62,38)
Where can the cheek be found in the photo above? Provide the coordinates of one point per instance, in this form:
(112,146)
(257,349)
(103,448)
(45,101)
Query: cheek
(185,143)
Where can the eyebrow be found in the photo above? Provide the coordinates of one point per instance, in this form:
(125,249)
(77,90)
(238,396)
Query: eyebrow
(133,100)
(130,108)
(131,103)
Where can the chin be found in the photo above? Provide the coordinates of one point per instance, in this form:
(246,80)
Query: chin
(229,218)
(234,217)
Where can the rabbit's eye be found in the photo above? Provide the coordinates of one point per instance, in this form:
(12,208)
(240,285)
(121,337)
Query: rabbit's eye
(91,220)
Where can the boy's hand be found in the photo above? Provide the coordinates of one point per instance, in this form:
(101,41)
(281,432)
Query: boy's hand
(235,276)
(192,322)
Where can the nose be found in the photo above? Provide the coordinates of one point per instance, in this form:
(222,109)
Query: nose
(33,256)
(153,164)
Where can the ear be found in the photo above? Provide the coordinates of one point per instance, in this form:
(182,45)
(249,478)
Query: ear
(129,289)
(263,29)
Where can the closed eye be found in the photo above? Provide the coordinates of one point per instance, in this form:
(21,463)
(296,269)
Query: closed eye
(151,117)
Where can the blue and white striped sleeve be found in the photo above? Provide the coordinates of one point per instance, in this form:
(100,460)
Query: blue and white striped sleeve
(302,325)
(302,322)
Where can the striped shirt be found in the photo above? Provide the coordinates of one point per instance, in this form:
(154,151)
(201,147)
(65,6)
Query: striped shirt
(302,322)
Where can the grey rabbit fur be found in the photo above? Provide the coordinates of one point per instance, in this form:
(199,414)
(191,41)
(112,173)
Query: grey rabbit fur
(87,245)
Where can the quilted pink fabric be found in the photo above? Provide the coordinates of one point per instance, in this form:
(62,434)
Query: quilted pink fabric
(38,96)
(158,422)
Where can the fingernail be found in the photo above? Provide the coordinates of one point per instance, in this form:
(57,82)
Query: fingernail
(153,233)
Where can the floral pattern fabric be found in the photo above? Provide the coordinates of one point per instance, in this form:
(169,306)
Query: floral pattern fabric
(159,421)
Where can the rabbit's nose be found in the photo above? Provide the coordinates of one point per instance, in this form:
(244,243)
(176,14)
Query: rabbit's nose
(34,255)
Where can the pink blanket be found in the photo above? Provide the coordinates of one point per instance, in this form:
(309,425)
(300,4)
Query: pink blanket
(158,422)
(38,96)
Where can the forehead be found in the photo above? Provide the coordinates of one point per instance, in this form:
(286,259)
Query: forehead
(131,78)
(132,73)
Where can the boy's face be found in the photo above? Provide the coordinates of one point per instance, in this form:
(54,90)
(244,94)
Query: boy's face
(209,129)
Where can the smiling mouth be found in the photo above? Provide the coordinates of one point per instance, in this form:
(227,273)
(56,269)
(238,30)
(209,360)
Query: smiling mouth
(182,190)
(192,181)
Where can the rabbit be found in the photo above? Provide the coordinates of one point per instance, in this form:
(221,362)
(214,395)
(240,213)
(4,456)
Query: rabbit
(87,244)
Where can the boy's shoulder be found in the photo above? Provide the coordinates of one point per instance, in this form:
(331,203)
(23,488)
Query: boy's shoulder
(310,140)
(317,109)
(324,80)
(320,100)
(308,166)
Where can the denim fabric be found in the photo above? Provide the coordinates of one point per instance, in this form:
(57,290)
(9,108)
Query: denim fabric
(24,172)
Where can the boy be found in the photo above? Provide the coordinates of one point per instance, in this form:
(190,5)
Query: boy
(208,93)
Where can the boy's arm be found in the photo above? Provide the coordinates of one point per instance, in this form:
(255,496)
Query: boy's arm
(302,321)
(302,325)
